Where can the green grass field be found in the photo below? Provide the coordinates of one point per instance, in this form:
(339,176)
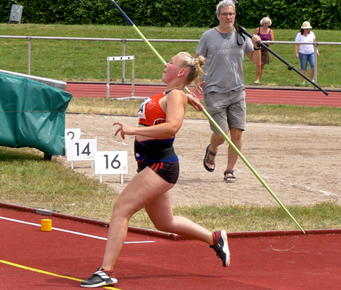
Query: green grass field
(86,60)
(25,179)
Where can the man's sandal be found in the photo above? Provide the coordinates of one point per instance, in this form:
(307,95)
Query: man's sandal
(208,160)
(229,176)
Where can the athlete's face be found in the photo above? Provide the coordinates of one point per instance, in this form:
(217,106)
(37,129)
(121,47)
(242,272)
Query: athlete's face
(226,17)
(172,69)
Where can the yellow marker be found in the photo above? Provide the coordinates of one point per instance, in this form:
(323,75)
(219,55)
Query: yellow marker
(46,225)
(48,273)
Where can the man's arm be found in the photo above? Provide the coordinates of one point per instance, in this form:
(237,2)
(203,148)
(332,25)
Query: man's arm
(255,55)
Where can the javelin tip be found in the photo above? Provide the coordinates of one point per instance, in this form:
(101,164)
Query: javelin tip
(122,12)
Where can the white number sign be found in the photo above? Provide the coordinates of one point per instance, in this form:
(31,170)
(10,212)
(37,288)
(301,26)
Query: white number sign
(82,149)
(72,134)
(111,162)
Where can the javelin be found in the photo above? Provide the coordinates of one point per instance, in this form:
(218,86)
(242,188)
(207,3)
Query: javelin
(213,122)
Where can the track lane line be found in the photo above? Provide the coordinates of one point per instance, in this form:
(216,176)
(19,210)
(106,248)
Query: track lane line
(72,232)
(48,273)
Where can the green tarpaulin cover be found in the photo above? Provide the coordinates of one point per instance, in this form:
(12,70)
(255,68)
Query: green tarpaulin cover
(32,114)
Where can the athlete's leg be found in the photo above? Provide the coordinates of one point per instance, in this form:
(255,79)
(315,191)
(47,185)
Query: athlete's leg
(143,188)
(161,214)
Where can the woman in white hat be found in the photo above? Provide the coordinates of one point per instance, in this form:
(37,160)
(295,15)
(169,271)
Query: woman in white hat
(306,52)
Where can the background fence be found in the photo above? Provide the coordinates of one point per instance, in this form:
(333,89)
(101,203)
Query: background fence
(125,41)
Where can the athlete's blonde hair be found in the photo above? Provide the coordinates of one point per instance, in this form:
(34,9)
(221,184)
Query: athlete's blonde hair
(194,64)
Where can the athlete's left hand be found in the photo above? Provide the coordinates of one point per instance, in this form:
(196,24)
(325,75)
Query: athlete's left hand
(124,129)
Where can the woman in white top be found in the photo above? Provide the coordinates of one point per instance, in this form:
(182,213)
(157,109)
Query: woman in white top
(306,52)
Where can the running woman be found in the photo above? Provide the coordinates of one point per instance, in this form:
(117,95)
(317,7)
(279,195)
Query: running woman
(160,118)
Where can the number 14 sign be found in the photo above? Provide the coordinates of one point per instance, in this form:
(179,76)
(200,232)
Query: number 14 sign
(82,149)
(111,162)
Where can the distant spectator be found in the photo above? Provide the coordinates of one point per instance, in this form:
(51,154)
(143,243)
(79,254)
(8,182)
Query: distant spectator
(267,34)
(306,52)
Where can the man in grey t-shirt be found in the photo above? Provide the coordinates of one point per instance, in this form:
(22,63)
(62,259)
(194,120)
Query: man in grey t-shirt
(223,82)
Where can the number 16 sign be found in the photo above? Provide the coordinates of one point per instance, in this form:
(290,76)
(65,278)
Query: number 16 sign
(111,162)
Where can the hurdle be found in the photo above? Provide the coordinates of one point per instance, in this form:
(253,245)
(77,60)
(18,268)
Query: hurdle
(122,58)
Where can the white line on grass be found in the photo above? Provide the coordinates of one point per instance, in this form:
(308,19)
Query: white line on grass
(303,187)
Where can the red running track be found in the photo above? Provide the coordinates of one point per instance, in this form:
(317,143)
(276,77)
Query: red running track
(304,97)
(34,260)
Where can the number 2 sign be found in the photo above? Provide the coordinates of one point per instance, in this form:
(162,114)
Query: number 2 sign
(72,134)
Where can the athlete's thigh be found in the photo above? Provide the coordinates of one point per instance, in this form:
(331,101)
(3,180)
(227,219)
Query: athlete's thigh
(141,190)
(160,209)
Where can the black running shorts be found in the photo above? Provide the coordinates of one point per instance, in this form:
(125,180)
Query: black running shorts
(169,171)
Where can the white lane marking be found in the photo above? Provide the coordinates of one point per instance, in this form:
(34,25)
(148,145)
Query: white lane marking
(71,232)
(303,187)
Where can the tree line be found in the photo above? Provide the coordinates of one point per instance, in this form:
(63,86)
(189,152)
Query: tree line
(285,14)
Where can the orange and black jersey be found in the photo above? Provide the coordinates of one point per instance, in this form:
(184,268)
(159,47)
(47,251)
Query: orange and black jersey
(150,112)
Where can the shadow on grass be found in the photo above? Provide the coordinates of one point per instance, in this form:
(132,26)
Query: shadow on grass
(15,154)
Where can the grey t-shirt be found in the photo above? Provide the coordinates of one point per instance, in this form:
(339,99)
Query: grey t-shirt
(224,60)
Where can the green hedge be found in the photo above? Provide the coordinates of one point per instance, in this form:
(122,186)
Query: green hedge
(289,14)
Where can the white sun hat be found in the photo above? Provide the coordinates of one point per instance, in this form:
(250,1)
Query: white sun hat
(306,25)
